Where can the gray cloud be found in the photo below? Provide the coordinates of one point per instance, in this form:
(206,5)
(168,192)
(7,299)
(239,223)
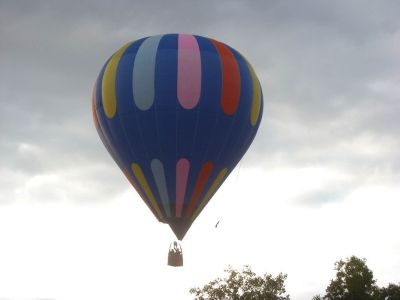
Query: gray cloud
(329,72)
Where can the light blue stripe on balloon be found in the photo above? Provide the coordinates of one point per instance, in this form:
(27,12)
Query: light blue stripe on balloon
(143,73)
(159,176)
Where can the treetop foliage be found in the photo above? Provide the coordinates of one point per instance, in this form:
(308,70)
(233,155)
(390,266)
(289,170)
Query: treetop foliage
(353,281)
(244,285)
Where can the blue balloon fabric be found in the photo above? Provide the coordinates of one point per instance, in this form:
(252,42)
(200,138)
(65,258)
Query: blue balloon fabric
(177,112)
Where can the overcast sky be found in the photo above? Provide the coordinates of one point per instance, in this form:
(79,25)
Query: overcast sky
(319,183)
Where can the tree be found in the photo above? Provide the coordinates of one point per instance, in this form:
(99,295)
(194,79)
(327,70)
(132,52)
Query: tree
(354,281)
(245,285)
(391,292)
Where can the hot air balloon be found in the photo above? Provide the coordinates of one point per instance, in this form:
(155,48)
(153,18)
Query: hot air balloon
(177,112)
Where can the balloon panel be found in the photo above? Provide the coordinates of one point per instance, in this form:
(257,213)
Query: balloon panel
(177,112)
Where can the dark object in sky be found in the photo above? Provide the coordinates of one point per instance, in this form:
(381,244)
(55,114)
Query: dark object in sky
(216,225)
(177,112)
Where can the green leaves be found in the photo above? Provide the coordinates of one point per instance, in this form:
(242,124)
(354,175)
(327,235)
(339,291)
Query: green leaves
(244,285)
(355,281)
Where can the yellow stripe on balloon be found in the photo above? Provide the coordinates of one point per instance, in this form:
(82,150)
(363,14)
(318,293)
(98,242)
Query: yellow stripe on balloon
(256,100)
(94,108)
(137,171)
(256,103)
(108,95)
(217,182)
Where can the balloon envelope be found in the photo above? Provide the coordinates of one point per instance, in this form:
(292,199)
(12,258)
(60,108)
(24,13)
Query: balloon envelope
(177,112)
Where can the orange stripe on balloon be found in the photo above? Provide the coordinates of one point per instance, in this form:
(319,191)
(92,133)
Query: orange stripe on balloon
(230,94)
(201,182)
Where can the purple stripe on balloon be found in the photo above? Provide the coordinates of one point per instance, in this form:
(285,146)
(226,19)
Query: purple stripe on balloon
(182,172)
(189,71)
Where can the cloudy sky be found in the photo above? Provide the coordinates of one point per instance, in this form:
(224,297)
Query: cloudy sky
(319,183)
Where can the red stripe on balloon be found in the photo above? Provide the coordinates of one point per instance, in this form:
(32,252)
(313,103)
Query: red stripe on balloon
(230,94)
(201,182)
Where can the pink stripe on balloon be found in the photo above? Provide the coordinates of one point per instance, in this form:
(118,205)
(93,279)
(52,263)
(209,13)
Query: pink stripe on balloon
(182,172)
(189,71)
